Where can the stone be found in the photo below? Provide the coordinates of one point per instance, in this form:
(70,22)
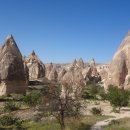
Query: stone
(35,66)
(12,73)
(119,70)
(80,63)
(72,82)
(53,75)
(49,68)
(74,63)
(103,69)
(61,74)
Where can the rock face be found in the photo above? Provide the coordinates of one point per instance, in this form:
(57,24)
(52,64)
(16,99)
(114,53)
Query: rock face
(103,70)
(93,67)
(51,72)
(119,71)
(72,82)
(35,66)
(80,63)
(49,68)
(12,73)
(61,74)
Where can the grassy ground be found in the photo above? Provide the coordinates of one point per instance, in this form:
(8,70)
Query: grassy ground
(83,123)
(122,124)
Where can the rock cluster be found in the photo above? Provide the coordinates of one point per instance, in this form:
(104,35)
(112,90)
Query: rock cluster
(77,75)
(16,71)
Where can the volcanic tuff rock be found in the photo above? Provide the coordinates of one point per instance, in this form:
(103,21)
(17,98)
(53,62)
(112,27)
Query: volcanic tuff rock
(103,70)
(51,72)
(74,80)
(35,66)
(49,67)
(119,71)
(80,63)
(61,74)
(12,73)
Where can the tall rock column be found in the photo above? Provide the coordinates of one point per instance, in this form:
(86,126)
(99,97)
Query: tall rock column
(12,71)
(35,66)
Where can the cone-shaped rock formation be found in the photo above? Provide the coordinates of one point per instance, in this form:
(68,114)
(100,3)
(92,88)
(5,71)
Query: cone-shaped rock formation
(35,66)
(12,72)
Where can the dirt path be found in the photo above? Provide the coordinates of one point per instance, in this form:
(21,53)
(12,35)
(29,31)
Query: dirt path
(102,124)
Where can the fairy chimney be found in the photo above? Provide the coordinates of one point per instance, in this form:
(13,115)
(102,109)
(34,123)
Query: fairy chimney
(12,73)
(35,66)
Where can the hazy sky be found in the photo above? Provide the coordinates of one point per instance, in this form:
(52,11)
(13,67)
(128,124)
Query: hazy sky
(62,30)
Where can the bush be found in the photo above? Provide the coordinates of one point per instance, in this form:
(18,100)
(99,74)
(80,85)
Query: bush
(118,97)
(103,96)
(32,99)
(10,106)
(7,120)
(114,122)
(18,126)
(83,126)
(96,111)
(91,91)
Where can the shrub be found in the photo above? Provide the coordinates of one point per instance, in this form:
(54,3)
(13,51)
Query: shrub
(103,96)
(91,91)
(32,99)
(114,122)
(83,126)
(10,106)
(7,120)
(18,126)
(96,111)
(118,97)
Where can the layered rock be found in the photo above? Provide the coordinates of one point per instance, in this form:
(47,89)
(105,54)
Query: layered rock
(61,74)
(12,73)
(51,72)
(72,82)
(53,76)
(35,66)
(119,71)
(93,67)
(103,70)
(80,63)
(49,67)
(90,73)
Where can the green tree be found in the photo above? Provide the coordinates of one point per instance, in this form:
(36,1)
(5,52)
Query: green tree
(32,99)
(118,97)
(91,90)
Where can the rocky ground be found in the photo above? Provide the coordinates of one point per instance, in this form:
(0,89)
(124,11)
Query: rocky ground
(106,110)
